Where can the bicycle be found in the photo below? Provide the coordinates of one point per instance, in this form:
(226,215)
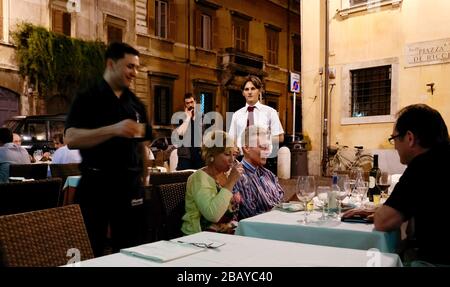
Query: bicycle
(341,159)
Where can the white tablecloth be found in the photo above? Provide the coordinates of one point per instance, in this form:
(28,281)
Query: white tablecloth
(281,225)
(241,251)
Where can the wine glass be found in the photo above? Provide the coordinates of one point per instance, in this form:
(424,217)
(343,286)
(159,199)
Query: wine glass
(384,182)
(343,193)
(305,192)
(352,177)
(361,189)
(37,155)
(322,195)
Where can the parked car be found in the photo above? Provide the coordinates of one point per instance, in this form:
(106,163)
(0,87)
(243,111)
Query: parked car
(37,131)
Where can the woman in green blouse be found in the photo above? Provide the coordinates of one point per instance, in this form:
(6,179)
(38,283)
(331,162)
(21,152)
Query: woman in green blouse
(210,204)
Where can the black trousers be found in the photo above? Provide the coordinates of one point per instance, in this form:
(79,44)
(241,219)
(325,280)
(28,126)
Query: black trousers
(115,200)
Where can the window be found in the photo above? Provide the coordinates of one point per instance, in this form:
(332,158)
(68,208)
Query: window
(369,92)
(61,22)
(205,24)
(357,2)
(206,32)
(161,19)
(240,34)
(272,46)
(114,34)
(297,56)
(115,28)
(162,105)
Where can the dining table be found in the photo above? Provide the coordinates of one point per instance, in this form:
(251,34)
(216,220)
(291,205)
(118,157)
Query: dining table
(226,250)
(280,224)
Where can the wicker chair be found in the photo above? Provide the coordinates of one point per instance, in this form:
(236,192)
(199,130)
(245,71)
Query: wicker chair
(155,211)
(172,198)
(44,238)
(16,197)
(35,171)
(158,178)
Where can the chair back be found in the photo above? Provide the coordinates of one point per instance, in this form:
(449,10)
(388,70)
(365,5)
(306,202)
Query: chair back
(63,170)
(158,178)
(44,238)
(23,196)
(35,171)
(155,212)
(172,197)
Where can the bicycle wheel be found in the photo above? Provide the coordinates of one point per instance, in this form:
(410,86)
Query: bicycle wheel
(365,161)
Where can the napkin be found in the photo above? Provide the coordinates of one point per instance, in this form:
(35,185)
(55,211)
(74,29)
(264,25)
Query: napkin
(162,251)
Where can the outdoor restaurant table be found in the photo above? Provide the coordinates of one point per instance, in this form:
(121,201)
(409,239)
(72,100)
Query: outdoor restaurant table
(241,251)
(282,225)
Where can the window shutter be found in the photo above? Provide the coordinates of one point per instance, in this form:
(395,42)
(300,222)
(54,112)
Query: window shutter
(215,32)
(198,28)
(141,13)
(57,21)
(66,22)
(151,12)
(172,20)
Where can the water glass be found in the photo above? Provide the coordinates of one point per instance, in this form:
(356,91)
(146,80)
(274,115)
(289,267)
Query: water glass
(322,195)
(306,190)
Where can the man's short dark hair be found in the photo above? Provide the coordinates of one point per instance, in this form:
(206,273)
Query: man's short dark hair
(425,123)
(6,136)
(188,96)
(117,50)
(58,137)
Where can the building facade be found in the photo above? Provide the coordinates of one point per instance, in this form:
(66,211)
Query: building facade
(382,55)
(205,47)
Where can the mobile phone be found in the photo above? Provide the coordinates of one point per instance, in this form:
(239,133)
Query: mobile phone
(357,219)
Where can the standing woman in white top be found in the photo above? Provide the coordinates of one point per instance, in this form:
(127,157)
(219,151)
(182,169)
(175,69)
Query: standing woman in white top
(255,113)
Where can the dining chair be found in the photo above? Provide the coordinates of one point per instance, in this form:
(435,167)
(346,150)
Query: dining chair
(34,171)
(153,205)
(44,238)
(172,198)
(23,196)
(158,178)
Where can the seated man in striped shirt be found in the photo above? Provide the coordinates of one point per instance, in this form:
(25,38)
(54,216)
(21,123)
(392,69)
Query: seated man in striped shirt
(259,187)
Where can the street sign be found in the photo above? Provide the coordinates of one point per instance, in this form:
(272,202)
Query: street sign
(295,82)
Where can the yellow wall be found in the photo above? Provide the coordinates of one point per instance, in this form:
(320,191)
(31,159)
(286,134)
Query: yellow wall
(369,36)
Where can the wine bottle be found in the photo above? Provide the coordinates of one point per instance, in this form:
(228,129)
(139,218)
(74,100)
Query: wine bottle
(374,174)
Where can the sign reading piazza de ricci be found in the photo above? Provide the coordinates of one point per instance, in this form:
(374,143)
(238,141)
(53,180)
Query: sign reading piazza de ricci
(428,53)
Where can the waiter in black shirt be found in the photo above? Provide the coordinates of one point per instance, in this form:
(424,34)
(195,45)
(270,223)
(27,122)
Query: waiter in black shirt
(108,124)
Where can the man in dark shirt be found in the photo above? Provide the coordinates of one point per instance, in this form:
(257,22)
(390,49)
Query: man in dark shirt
(421,139)
(190,132)
(108,124)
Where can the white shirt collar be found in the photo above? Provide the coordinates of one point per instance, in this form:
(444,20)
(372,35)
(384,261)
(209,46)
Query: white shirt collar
(257,105)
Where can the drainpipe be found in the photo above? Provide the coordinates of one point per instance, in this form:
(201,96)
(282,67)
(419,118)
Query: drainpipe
(188,56)
(326,122)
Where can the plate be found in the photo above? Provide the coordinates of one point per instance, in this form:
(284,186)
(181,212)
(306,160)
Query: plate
(290,206)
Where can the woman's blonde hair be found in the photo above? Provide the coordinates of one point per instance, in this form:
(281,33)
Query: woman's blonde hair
(216,142)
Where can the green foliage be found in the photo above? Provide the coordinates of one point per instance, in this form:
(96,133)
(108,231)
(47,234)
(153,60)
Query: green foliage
(56,63)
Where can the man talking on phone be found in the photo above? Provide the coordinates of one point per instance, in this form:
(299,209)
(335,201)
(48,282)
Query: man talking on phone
(189,154)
